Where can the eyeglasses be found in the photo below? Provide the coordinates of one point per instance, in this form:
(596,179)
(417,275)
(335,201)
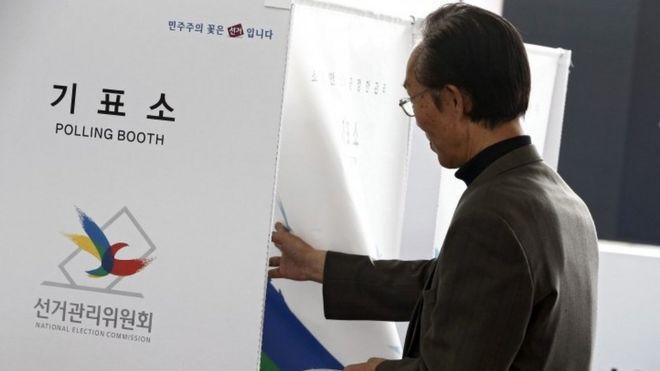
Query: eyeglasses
(406,104)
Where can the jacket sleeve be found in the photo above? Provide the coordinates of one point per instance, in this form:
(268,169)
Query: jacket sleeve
(358,288)
(475,315)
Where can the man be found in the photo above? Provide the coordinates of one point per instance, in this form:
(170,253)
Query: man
(514,287)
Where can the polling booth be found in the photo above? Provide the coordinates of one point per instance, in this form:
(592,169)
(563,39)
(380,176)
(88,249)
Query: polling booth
(356,174)
(138,153)
(342,167)
(147,148)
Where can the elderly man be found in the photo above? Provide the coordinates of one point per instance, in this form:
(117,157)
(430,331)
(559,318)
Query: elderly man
(514,286)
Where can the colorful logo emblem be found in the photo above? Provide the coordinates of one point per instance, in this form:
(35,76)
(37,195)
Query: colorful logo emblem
(97,244)
(109,276)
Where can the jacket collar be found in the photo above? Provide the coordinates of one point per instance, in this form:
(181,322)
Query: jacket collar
(516,158)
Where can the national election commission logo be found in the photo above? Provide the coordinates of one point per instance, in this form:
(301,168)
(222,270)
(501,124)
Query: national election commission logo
(98,268)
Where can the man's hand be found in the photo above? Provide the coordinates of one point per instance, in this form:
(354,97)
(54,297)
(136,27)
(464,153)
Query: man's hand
(370,365)
(299,260)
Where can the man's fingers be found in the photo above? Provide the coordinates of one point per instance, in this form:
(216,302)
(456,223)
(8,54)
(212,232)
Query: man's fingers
(281,237)
(274,261)
(275,273)
(276,237)
(279,234)
(281,227)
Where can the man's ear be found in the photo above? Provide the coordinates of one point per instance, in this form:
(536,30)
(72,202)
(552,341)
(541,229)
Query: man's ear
(458,100)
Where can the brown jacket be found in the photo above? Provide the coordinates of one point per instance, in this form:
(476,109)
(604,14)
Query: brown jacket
(514,287)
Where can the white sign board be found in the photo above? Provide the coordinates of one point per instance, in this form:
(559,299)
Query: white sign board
(138,148)
(343,157)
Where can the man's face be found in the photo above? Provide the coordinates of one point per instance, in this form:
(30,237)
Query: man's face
(446,127)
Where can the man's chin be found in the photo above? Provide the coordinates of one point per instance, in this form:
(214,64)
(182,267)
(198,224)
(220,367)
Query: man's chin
(446,163)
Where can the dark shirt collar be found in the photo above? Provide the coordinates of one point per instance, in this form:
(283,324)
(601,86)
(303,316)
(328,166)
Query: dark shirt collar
(471,169)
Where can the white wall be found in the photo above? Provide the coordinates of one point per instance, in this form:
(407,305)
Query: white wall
(628,326)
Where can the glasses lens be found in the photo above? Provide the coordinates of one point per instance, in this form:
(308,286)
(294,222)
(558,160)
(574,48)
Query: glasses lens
(408,108)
